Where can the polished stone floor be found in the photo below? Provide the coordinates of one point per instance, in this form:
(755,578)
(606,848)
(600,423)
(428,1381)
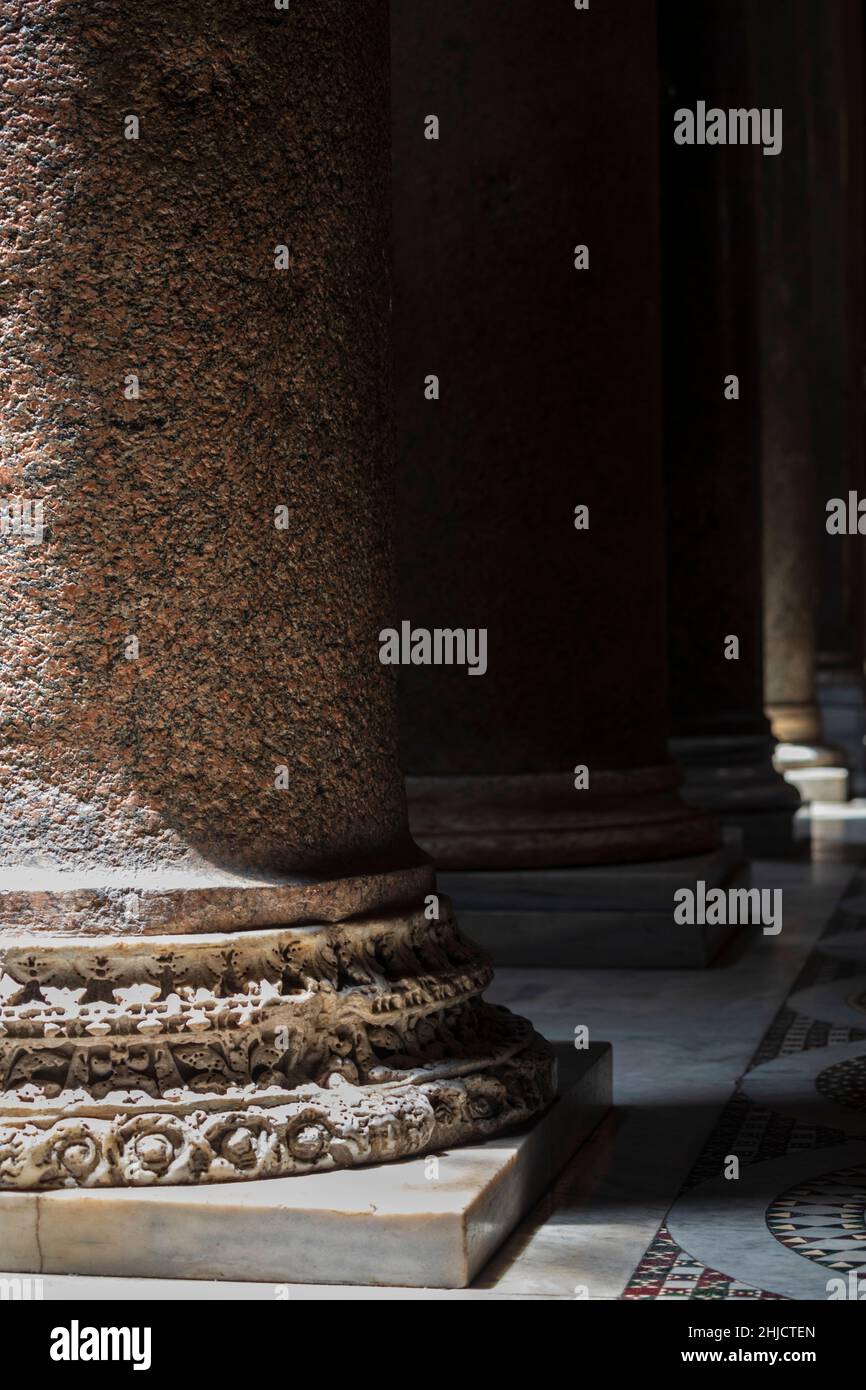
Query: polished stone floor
(760,1059)
(682,1044)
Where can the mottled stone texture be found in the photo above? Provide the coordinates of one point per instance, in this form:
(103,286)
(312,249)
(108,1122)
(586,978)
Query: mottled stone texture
(550,398)
(207,976)
(713,443)
(781,76)
(259,388)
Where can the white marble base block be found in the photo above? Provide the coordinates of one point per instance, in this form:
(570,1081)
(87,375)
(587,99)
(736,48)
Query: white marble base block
(820,783)
(402,1223)
(610,916)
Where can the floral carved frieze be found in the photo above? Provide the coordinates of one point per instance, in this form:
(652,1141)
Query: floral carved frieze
(288,1050)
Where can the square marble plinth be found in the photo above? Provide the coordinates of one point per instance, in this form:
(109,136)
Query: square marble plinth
(613,915)
(391,1225)
(820,783)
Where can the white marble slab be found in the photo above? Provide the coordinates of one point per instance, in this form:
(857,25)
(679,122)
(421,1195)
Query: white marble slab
(617,915)
(403,1224)
(827,784)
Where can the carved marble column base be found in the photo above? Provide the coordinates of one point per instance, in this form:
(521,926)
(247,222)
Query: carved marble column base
(821,783)
(818,771)
(801,751)
(217,1057)
(733,775)
(792,757)
(541,820)
(426,1223)
(795,722)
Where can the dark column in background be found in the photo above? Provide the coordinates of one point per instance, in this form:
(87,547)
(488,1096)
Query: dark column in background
(550,398)
(836,95)
(781,32)
(854,42)
(856,71)
(829,355)
(712,443)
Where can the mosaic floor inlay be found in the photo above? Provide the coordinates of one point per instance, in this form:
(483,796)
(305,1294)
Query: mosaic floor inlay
(796,1213)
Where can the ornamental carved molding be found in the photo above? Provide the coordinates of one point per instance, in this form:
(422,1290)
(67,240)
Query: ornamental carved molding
(223,1057)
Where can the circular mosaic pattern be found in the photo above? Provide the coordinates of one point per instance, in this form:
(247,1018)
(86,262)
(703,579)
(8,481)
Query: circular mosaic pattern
(818,1088)
(824,1219)
(845,1083)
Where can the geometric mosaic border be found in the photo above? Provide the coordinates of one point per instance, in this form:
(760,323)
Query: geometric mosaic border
(780,1147)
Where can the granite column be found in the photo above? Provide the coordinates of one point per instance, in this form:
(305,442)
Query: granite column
(220,953)
(712,432)
(836,149)
(781,60)
(529,461)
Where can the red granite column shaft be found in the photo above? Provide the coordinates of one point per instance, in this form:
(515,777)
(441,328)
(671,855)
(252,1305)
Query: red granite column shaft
(216,564)
(549,400)
(219,955)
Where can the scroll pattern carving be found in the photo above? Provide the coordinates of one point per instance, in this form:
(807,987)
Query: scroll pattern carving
(234,1056)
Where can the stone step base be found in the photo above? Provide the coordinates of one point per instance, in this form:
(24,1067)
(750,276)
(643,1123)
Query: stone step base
(409,1224)
(820,783)
(595,917)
